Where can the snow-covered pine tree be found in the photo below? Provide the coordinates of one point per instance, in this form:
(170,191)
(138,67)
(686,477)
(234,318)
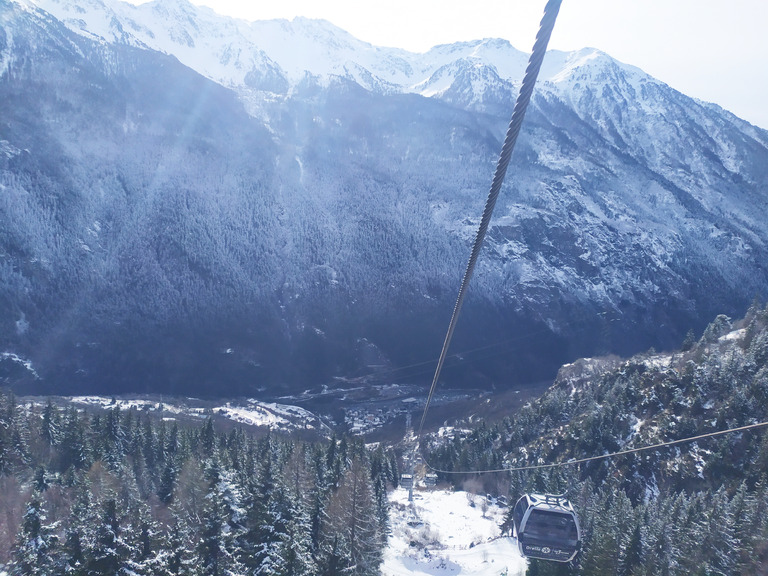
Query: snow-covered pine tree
(167,482)
(218,550)
(78,533)
(50,424)
(108,553)
(73,451)
(262,540)
(720,544)
(171,555)
(37,542)
(298,484)
(177,561)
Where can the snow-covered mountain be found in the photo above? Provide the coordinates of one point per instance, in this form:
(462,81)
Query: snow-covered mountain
(240,54)
(192,201)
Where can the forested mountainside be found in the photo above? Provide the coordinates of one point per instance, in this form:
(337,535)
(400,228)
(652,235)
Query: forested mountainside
(694,508)
(120,492)
(190,203)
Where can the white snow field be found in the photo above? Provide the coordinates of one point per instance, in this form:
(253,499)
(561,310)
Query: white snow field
(442,533)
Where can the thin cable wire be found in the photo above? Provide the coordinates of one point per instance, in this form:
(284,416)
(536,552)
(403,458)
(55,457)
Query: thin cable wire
(427,365)
(605,456)
(518,113)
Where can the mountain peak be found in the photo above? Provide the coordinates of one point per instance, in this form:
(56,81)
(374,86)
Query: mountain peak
(171,9)
(593,63)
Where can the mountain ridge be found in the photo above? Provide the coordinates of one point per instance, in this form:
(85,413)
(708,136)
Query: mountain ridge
(299,46)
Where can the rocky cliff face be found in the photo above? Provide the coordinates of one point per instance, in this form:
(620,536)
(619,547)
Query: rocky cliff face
(195,204)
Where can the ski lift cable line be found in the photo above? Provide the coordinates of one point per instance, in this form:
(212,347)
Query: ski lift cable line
(572,462)
(518,113)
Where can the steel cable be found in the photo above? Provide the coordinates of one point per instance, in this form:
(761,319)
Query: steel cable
(518,113)
(521,104)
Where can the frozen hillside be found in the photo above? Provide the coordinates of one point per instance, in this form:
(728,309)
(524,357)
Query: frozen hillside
(444,533)
(241,54)
(691,507)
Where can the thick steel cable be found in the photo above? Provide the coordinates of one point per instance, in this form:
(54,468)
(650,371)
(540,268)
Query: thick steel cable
(518,113)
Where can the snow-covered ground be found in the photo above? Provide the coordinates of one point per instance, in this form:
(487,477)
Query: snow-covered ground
(250,412)
(444,533)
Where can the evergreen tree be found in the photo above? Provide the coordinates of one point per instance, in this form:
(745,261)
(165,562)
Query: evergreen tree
(73,451)
(4,452)
(719,544)
(167,482)
(207,441)
(79,528)
(633,555)
(379,476)
(334,556)
(218,550)
(112,439)
(108,553)
(261,539)
(17,455)
(297,542)
(40,481)
(170,555)
(37,542)
(689,341)
(177,559)
(74,555)
(352,534)
(50,424)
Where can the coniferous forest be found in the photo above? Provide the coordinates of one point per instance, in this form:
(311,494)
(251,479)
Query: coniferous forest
(120,492)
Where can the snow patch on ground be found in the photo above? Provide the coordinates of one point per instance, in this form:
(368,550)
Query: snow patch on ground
(251,412)
(27,364)
(109,403)
(253,415)
(734,336)
(660,362)
(448,533)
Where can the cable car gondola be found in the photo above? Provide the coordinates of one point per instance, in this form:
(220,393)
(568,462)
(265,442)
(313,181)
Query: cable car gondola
(547,527)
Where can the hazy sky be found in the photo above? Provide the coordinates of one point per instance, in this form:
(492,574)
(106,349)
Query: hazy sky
(715,50)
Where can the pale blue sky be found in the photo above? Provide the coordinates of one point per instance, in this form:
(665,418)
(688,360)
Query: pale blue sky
(716,50)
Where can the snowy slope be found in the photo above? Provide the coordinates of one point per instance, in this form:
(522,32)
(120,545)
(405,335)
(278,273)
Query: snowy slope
(251,412)
(236,53)
(630,109)
(233,52)
(445,533)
